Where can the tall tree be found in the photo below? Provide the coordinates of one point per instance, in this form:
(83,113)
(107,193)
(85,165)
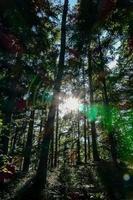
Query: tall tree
(92,123)
(41,175)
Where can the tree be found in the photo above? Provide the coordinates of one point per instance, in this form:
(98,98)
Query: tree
(28,146)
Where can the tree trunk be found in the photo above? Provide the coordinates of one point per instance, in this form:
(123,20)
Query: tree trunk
(5,133)
(51,157)
(15,140)
(85,138)
(41,175)
(28,147)
(40,131)
(112,141)
(92,123)
(89,149)
(78,143)
(56,138)
(85,141)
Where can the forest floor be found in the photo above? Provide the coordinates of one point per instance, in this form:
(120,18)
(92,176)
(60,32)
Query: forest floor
(69,182)
(9,189)
(75,182)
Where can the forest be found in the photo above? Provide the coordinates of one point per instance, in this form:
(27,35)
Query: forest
(66,100)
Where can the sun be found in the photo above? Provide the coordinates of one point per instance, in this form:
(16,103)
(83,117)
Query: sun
(70,104)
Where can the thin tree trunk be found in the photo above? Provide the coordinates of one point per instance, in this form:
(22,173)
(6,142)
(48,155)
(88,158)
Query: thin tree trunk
(85,141)
(56,138)
(89,150)
(40,132)
(28,147)
(78,143)
(5,133)
(92,123)
(72,144)
(15,140)
(59,148)
(85,138)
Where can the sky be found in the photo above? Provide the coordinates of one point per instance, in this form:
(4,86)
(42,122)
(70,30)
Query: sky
(72,2)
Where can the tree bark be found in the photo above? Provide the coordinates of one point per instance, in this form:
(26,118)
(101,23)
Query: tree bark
(89,149)
(85,137)
(28,147)
(51,159)
(56,138)
(92,123)
(78,143)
